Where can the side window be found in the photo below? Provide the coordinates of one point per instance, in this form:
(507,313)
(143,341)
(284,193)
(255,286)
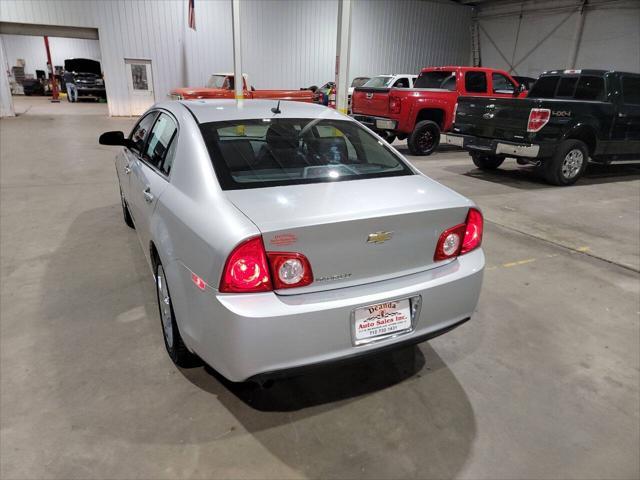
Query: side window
(140,131)
(590,88)
(158,147)
(402,83)
(631,89)
(475,82)
(502,84)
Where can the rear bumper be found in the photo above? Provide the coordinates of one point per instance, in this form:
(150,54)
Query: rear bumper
(264,334)
(492,146)
(376,123)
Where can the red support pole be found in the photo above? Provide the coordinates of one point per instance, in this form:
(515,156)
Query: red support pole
(52,73)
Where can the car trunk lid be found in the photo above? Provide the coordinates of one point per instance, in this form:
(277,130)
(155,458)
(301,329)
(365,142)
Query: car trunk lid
(355,232)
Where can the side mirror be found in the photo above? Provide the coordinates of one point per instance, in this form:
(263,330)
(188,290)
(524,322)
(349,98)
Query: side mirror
(114,138)
(521,88)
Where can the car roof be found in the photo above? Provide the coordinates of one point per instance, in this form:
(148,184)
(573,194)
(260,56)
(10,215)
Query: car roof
(206,111)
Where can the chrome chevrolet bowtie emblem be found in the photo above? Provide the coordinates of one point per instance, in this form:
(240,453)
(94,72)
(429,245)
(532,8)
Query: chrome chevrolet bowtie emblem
(379,237)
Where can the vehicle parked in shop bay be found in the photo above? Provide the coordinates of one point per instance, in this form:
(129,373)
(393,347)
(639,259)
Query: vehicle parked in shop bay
(87,77)
(569,117)
(260,269)
(221,85)
(419,114)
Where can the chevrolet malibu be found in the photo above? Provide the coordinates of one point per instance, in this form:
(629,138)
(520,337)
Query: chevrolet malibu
(285,235)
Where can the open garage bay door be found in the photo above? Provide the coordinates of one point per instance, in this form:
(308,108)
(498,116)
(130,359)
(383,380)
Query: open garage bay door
(12,28)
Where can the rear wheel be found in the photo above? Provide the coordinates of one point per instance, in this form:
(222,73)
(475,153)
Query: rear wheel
(486,162)
(425,138)
(568,163)
(176,348)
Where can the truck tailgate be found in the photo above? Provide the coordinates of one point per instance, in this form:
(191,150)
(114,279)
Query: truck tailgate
(500,118)
(370,101)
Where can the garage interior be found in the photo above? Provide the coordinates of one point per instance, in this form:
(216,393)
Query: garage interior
(543,382)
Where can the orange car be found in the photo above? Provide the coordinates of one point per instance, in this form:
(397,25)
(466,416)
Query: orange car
(221,85)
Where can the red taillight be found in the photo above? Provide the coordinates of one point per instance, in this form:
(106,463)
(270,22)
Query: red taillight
(394,104)
(460,239)
(246,269)
(289,269)
(473,232)
(538,118)
(455,111)
(250,268)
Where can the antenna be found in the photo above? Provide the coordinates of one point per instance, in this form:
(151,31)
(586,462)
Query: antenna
(276,109)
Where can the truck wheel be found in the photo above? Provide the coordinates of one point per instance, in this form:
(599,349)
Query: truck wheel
(568,163)
(424,139)
(486,162)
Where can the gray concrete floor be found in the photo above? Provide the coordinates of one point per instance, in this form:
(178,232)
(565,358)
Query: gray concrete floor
(542,383)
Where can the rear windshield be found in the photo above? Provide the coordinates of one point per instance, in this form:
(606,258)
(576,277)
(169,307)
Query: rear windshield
(377,82)
(584,87)
(359,81)
(444,80)
(287,151)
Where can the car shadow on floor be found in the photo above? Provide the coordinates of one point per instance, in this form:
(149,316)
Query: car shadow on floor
(398,415)
(323,385)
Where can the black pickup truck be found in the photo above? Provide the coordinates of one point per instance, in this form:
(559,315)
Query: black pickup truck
(568,117)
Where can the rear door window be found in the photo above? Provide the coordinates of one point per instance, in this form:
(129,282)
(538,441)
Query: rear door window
(590,88)
(162,135)
(440,79)
(141,130)
(475,82)
(631,89)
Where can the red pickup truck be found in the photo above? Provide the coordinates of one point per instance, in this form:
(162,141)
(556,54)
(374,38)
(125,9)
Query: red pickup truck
(419,114)
(221,85)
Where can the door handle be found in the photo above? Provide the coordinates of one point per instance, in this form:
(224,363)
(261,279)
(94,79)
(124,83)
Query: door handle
(622,115)
(148,196)
(127,169)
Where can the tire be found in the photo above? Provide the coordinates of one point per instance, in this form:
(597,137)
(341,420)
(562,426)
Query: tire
(486,162)
(125,212)
(567,164)
(176,348)
(424,139)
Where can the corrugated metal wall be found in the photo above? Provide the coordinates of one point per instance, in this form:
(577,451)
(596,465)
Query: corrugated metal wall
(610,38)
(403,36)
(31,50)
(286,43)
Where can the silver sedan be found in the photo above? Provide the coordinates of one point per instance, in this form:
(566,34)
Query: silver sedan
(283,236)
